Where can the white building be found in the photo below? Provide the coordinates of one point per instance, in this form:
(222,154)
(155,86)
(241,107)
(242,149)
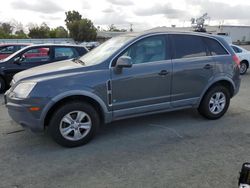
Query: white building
(238,34)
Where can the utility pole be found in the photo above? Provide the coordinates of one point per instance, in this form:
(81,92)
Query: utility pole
(131,27)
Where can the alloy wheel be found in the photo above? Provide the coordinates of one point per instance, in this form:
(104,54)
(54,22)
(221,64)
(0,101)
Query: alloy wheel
(217,103)
(75,125)
(243,68)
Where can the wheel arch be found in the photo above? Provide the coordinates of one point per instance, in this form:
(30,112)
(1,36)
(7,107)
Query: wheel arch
(245,61)
(91,99)
(223,82)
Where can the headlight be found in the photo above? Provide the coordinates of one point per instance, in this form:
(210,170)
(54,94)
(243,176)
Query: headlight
(23,89)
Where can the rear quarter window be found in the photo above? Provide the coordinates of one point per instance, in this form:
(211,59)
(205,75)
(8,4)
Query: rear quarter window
(215,47)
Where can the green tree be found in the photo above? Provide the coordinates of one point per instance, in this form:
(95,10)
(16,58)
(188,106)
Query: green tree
(20,34)
(61,32)
(7,28)
(52,33)
(72,16)
(42,31)
(80,29)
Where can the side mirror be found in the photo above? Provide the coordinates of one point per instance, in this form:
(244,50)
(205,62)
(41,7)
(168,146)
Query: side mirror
(123,62)
(22,58)
(17,61)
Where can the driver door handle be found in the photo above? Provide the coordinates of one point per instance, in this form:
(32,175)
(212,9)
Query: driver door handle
(163,73)
(208,66)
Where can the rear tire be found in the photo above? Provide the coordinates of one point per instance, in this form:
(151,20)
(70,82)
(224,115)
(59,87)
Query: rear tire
(243,67)
(215,103)
(2,85)
(74,124)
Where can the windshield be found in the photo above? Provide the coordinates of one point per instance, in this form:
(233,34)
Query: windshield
(105,50)
(14,54)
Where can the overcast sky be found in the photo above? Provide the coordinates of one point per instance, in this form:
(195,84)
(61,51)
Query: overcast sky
(143,14)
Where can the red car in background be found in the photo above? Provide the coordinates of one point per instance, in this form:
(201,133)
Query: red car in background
(39,52)
(8,49)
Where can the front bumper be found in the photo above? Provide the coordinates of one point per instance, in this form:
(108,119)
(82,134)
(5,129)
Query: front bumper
(21,115)
(19,111)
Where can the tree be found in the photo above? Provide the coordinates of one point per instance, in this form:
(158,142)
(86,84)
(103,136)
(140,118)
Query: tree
(112,27)
(87,30)
(7,28)
(72,16)
(59,32)
(42,31)
(80,29)
(20,34)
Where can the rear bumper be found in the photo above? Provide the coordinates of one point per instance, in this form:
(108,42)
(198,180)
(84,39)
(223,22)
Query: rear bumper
(237,83)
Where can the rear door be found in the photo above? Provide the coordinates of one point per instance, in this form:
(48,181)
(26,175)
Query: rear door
(193,68)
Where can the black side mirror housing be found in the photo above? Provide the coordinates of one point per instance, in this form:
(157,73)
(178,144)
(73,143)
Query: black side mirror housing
(17,61)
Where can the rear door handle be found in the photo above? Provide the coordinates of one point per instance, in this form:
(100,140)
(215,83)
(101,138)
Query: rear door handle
(163,73)
(208,66)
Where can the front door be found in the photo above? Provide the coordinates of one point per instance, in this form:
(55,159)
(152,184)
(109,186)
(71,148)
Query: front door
(144,87)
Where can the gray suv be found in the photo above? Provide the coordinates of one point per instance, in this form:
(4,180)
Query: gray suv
(127,76)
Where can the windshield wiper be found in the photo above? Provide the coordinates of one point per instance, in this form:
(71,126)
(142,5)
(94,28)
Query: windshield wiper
(77,60)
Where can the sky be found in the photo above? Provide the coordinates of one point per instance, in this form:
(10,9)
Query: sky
(143,14)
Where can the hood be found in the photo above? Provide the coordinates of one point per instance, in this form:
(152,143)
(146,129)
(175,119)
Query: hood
(48,70)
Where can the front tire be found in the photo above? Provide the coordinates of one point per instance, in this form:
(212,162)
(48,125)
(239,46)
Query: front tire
(215,103)
(74,124)
(243,67)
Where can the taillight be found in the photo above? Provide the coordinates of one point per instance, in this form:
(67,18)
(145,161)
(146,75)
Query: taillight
(236,59)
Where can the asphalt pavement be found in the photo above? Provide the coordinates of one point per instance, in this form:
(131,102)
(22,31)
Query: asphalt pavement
(177,149)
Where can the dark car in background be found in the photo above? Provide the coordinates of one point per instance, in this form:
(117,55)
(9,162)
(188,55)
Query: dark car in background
(35,55)
(127,76)
(8,49)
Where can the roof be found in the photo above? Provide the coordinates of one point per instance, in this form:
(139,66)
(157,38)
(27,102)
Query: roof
(16,44)
(48,45)
(63,45)
(164,31)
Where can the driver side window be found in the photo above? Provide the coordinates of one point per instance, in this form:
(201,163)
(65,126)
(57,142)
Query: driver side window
(150,49)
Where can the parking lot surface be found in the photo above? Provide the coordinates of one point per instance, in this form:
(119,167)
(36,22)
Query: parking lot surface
(176,149)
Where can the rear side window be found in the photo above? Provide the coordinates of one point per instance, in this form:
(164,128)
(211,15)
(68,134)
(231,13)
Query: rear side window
(188,46)
(215,47)
(63,53)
